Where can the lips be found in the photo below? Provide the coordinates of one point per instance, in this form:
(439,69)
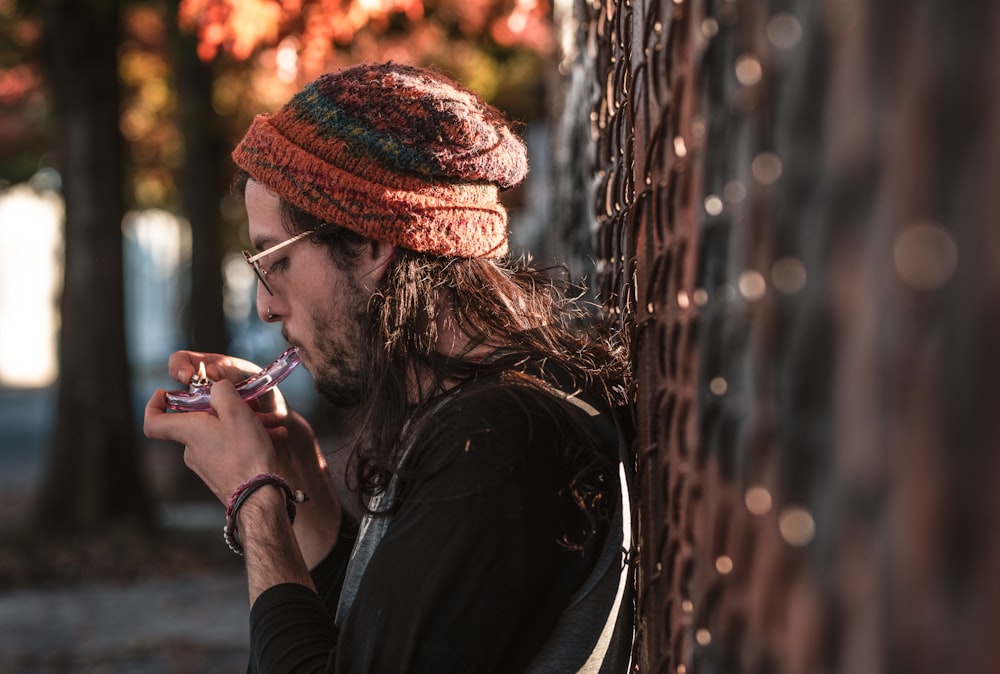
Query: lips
(302,353)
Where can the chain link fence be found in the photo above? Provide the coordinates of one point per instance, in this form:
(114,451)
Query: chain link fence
(795,209)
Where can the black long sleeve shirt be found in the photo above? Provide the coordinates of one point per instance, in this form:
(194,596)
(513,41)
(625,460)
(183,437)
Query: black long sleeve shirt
(474,569)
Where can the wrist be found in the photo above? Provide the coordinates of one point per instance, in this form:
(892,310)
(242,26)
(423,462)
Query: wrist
(254,496)
(268,499)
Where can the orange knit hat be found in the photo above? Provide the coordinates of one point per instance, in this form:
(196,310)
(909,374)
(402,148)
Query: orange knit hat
(395,153)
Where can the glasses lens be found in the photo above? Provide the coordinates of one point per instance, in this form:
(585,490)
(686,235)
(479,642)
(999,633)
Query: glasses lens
(261,274)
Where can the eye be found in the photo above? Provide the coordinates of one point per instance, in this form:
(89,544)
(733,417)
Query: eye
(280,265)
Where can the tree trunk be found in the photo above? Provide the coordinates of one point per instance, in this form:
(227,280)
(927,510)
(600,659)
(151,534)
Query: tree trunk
(201,182)
(93,476)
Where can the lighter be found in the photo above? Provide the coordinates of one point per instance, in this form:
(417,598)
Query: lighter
(198,395)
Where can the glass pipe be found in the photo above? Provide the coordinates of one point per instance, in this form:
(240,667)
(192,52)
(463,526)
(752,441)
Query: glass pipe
(198,395)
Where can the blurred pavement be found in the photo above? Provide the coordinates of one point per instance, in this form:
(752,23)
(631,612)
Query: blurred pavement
(195,625)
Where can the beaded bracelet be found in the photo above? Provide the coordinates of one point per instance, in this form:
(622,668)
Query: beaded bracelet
(230,532)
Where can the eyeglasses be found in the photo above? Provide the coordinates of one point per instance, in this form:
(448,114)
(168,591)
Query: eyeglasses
(254,260)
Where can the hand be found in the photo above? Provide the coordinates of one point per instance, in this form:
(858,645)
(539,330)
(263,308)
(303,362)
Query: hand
(236,441)
(224,447)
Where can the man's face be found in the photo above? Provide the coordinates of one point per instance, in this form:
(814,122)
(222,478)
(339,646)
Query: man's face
(322,307)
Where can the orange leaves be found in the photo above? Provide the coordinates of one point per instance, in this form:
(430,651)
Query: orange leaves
(238,27)
(298,39)
(527,25)
(16,83)
(327,24)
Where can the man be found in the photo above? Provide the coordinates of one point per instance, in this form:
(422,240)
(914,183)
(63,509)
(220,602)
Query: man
(485,446)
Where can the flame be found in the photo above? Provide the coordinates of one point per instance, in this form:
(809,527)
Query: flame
(202,375)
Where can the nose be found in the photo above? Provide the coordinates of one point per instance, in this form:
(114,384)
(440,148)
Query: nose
(264,304)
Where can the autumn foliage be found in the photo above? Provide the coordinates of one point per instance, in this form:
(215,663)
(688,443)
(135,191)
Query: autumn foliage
(322,33)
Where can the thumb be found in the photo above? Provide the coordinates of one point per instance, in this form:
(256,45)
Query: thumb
(226,401)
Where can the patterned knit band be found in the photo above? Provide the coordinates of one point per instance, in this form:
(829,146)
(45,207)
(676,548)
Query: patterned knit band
(394,153)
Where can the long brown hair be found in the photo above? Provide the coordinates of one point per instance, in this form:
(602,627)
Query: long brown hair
(532,320)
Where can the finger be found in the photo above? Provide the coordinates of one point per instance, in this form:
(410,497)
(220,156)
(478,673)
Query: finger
(226,401)
(278,434)
(271,419)
(155,407)
(158,424)
(184,364)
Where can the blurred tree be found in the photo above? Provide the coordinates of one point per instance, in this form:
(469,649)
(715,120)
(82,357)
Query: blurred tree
(177,148)
(201,182)
(93,475)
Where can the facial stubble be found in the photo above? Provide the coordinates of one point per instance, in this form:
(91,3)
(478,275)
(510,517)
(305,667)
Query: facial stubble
(342,344)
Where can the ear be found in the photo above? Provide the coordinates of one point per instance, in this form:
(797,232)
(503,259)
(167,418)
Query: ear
(381,253)
(374,261)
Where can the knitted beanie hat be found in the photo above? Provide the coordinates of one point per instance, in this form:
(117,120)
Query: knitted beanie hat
(395,153)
